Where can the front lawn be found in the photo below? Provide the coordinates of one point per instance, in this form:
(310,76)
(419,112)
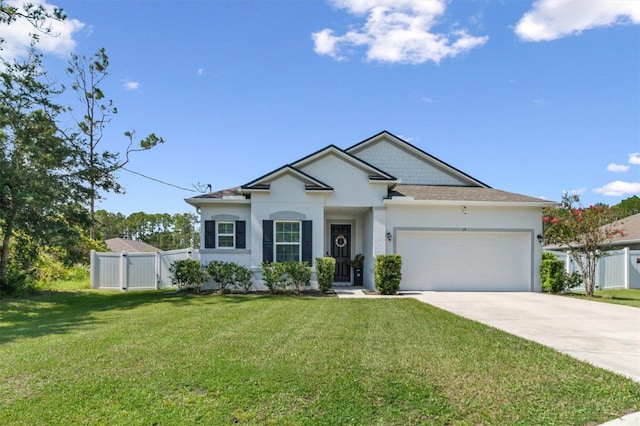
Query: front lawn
(155,358)
(629,297)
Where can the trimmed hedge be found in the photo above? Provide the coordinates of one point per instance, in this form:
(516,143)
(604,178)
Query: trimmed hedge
(388,273)
(325,270)
(187,274)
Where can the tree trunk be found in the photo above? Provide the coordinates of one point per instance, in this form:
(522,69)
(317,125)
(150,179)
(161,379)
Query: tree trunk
(92,214)
(4,254)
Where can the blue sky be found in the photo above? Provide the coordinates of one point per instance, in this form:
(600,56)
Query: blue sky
(532,97)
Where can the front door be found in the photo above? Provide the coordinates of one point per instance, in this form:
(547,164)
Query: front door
(341,250)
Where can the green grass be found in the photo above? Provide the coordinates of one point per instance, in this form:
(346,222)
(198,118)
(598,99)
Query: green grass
(65,285)
(154,358)
(629,297)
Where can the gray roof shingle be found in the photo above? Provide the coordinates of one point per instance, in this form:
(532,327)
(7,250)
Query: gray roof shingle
(130,246)
(461,193)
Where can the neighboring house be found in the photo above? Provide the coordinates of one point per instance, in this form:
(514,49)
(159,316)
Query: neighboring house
(380,196)
(129,246)
(630,227)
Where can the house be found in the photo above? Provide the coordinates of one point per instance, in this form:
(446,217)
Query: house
(380,196)
(129,246)
(630,237)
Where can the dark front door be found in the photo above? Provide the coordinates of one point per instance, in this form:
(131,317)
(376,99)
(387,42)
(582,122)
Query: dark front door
(340,250)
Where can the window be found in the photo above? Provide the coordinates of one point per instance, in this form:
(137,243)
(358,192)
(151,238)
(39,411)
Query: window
(226,234)
(287,241)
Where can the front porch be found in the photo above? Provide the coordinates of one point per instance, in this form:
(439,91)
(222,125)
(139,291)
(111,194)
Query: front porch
(349,232)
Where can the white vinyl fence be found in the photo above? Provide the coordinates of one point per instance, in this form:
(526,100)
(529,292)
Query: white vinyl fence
(616,269)
(135,271)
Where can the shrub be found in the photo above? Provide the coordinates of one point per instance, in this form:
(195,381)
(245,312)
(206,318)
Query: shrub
(221,273)
(298,274)
(242,277)
(17,282)
(551,270)
(554,278)
(78,273)
(388,273)
(49,267)
(273,276)
(325,270)
(187,274)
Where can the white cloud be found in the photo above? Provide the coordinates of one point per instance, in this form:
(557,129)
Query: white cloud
(619,188)
(617,168)
(634,158)
(200,71)
(553,19)
(576,191)
(17,39)
(395,31)
(130,85)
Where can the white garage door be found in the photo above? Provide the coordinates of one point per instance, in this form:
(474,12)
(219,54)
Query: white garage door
(465,261)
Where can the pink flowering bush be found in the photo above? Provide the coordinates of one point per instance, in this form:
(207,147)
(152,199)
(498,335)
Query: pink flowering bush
(586,232)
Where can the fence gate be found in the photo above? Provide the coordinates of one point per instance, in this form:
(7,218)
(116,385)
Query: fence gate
(135,271)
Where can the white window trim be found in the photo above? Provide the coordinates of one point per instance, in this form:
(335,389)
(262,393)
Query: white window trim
(232,235)
(276,243)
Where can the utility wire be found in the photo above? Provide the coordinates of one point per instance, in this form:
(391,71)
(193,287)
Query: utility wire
(158,180)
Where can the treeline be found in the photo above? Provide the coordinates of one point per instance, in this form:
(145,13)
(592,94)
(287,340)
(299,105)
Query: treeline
(162,230)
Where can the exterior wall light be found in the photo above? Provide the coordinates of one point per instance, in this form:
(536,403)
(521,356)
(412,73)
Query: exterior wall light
(389,236)
(540,238)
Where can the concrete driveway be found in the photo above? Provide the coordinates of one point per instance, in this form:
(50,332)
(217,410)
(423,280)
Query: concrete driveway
(602,334)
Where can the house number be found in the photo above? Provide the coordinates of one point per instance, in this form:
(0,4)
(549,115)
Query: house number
(341,241)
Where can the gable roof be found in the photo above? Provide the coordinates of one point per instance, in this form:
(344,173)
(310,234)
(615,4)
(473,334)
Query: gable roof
(131,246)
(263,183)
(461,193)
(374,172)
(470,190)
(417,152)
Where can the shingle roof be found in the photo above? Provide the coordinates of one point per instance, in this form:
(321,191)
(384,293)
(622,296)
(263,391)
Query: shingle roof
(220,194)
(460,193)
(130,246)
(630,227)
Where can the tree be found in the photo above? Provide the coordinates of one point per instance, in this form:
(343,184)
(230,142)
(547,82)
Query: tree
(627,207)
(165,231)
(36,15)
(39,189)
(99,167)
(584,231)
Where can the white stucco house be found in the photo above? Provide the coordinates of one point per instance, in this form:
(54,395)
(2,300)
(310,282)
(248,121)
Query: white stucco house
(380,196)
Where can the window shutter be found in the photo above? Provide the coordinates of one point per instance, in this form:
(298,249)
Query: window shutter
(241,234)
(307,241)
(209,234)
(267,241)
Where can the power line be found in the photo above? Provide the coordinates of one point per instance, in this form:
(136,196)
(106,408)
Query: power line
(159,181)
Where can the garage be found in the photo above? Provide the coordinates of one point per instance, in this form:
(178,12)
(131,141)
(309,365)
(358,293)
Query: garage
(465,260)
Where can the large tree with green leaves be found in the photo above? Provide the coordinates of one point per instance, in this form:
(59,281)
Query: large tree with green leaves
(627,207)
(39,187)
(99,167)
(584,231)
